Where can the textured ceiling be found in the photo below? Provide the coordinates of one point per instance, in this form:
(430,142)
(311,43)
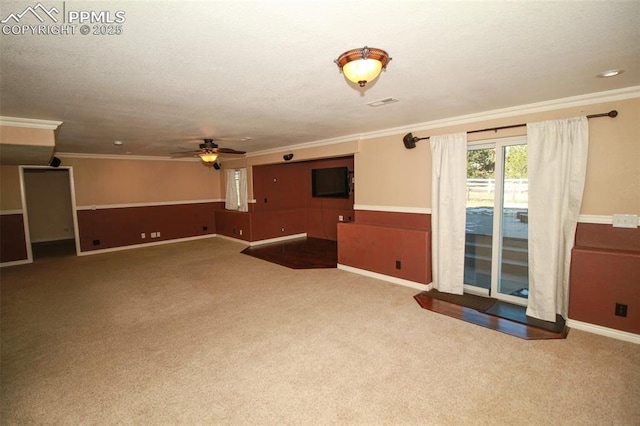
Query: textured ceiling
(185,70)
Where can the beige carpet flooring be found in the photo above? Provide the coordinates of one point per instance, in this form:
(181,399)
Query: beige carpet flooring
(197,333)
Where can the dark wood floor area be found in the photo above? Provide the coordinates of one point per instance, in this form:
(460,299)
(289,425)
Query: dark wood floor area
(301,253)
(506,320)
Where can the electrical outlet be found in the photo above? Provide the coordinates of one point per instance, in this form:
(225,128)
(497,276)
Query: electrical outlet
(625,220)
(282,229)
(398,264)
(143,235)
(96,242)
(340,218)
(158,234)
(241,232)
(153,235)
(205,228)
(621,310)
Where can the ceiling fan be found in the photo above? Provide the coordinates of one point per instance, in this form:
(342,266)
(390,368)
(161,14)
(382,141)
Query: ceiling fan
(208,152)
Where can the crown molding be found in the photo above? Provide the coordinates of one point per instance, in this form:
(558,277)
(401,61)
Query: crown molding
(306,145)
(29,123)
(552,105)
(121,157)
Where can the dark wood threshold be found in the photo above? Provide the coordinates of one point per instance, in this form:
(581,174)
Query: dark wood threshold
(503,325)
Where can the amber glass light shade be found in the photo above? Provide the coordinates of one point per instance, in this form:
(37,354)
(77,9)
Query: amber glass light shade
(363,65)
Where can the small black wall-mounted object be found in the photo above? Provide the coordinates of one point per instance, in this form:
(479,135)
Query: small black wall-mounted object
(55,162)
(287,157)
(216,166)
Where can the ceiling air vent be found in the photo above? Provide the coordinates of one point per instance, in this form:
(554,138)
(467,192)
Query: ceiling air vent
(382,102)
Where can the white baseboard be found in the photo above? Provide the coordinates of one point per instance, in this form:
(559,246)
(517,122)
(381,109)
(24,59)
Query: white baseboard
(235,240)
(278,239)
(388,278)
(135,246)
(604,331)
(16,263)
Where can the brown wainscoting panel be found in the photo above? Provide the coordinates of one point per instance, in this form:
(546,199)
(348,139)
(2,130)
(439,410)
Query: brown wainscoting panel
(322,222)
(397,220)
(13,245)
(280,223)
(607,237)
(600,279)
(233,224)
(379,248)
(117,227)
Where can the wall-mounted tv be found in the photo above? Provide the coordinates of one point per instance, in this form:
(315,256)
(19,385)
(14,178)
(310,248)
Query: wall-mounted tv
(330,182)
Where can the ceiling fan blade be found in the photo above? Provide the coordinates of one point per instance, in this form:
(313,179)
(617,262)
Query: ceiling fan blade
(186,152)
(230,151)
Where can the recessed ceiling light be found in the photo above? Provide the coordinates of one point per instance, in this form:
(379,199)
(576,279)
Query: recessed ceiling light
(118,143)
(609,73)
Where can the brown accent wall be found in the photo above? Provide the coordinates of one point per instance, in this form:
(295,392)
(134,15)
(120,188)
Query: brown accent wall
(233,224)
(284,200)
(376,241)
(605,270)
(13,245)
(116,227)
(394,219)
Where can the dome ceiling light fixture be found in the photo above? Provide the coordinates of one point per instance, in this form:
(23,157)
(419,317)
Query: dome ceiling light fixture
(363,65)
(208,156)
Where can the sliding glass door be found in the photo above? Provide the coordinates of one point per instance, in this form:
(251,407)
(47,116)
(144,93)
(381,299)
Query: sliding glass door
(496,246)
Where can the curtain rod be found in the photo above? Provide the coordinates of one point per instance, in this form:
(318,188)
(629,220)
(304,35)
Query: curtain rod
(410,140)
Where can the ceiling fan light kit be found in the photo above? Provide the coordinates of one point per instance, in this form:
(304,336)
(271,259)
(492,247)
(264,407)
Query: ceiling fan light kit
(208,157)
(363,65)
(209,151)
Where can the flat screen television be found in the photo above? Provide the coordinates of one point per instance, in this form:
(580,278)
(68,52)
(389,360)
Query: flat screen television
(331,182)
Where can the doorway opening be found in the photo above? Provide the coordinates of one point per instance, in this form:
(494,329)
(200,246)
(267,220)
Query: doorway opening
(50,220)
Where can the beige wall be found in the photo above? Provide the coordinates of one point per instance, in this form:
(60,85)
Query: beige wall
(26,146)
(388,174)
(113,181)
(27,136)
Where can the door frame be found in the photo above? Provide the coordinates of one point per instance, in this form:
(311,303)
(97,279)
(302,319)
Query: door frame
(25,213)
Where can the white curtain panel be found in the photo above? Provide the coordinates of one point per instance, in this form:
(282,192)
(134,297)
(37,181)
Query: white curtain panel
(231,198)
(243,206)
(557,164)
(448,210)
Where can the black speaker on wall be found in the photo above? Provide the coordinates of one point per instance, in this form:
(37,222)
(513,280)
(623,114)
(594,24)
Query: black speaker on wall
(216,166)
(55,162)
(287,157)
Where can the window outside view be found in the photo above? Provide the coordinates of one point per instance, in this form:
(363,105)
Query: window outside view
(513,272)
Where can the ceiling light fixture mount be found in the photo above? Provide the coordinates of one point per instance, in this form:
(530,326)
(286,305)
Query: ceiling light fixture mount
(363,65)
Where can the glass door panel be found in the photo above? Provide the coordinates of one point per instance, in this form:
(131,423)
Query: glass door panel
(514,266)
(496,238)
(479,224)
